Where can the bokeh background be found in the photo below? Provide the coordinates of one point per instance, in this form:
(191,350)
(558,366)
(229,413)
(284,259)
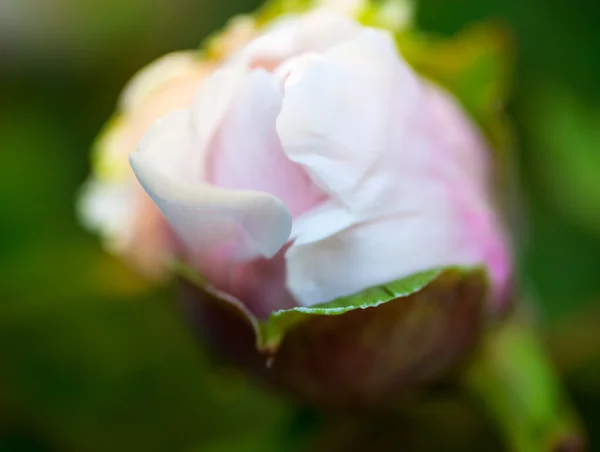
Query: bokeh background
(92,359)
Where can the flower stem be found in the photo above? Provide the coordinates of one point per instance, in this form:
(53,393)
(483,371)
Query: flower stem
(515,382)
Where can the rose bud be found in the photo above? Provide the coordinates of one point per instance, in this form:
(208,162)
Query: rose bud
(331,211)
(315,165)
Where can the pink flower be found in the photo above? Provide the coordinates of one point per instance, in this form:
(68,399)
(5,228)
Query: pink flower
(315,163)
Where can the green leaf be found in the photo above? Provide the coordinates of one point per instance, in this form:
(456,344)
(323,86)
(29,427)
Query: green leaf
(273,330)
(567,157)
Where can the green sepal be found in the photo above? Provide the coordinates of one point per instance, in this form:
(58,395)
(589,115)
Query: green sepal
(273,330)
(274,8)
(107,167)
(393,15)
(371,349)
(270,332)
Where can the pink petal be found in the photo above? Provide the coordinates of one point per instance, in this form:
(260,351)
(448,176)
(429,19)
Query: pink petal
(246,153)
(241,224)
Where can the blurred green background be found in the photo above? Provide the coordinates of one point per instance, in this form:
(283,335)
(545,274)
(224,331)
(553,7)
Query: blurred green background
(91,359)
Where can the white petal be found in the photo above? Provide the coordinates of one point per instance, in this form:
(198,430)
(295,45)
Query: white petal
(469,150)
(213,100)
(324,220)
(294,35)
(106,209)
(246,153)
(374,253)
(242,223)
(348,118)
(360,121)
